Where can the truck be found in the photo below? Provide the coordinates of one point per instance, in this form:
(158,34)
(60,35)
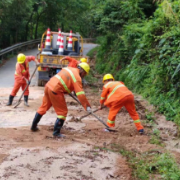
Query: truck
(50,59)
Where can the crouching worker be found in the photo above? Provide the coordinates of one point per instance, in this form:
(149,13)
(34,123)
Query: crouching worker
(115,95)
(67,80)
(21,77)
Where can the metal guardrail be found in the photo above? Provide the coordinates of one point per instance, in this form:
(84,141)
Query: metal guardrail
(17,46)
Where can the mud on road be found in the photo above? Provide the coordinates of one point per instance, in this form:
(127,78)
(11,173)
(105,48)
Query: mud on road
(83,154)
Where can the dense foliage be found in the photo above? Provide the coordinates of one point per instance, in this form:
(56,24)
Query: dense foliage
(139,39)
(141,46)
(24,20)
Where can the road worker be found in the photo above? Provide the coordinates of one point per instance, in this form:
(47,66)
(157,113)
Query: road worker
(115,95)
(67,80)
(73,62)
(21,77)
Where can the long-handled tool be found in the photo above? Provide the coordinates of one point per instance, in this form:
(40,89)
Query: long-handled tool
(82,117)
(107,127)
(19,101)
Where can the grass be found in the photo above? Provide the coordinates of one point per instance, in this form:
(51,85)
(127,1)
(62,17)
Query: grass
(149,165)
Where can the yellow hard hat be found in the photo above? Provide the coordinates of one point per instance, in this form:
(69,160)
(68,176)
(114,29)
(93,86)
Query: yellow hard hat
(83,60)
(108,76)
(21,58)
(84,66)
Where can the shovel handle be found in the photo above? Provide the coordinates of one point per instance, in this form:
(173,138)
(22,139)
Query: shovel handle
(90,113)
(74,98)
(100,120)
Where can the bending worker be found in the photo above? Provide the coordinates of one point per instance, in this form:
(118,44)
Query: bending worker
(115,95)
(21,77)
(67,80)
(73,62)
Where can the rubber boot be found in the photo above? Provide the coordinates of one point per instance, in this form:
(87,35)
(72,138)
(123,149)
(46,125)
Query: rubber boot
(141,131)
(26,101)
(57,128)
(10,100)
(36,120)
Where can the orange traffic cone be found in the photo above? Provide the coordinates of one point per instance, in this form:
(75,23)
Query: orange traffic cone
(69,47)
(58,39)
(48,39)
(61,47)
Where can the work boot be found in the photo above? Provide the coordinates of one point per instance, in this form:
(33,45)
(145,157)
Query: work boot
(35,122)
(26,101)
(141,131)
(57,127)
(10,100)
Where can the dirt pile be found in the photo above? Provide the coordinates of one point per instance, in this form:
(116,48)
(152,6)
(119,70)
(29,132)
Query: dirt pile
(28,155)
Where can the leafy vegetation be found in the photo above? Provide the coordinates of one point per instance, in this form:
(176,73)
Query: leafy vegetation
(140,45)
(149,165)
(26,20)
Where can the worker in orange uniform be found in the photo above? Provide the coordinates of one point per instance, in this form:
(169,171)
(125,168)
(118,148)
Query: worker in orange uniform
(73,62)
(115,95)
(67,80)
(21,77)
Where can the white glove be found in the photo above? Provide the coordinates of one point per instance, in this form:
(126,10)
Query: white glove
(89,109)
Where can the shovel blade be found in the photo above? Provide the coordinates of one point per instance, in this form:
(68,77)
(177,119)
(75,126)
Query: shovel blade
(17,104)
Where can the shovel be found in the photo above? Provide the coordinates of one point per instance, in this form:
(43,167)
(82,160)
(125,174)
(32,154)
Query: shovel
(90,113)
(19,101)
(107,127)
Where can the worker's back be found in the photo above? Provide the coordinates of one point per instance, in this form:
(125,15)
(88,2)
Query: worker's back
(116,90)
(65,80)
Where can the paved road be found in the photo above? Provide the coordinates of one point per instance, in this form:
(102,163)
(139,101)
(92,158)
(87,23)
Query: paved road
(7,70)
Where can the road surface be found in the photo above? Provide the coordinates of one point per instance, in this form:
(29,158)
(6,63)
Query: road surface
(7,70)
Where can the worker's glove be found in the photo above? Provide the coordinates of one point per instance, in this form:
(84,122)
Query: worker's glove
(89,109)
(38,64)
(101,106)
(29,82)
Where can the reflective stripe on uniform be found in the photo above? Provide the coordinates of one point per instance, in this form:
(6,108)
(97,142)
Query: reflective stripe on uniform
(63,83)
(137,121)
(115,90)
(107,84)
(15,70)
(102,98)
(79,93)
(61,117)
(71,73)
(22,70)
(110,122)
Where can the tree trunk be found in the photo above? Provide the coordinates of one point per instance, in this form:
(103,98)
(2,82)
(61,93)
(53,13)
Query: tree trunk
(27,27)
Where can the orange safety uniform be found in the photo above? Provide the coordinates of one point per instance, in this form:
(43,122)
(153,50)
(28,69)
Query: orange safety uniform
(115,95)
(72,62)
(21,72)
(66,81)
